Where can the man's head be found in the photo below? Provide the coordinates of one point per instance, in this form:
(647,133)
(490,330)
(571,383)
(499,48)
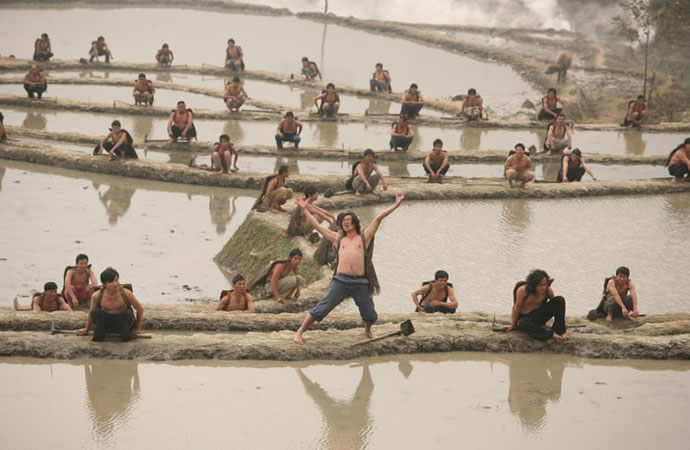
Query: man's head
(413,88)
(166,46)
(348,221)
(289,115)
(231,42)
(309,192)
(438,145)
(235,80)
(560,119)
(50,287)
(34,68)
(181,105)
(100,39)
(575,154)
(224,138)
(379,66)
(686,143)
(551,92)
(441,277)
(82,260)
(520,148)
(109,276)
(402,119)
(330,87)
(305,61)
(44,36)
(238,282)
(472,92)
(640,98)
(537,282)
(142,76)
(284,171)
(295,256)
(115,125)
(622,274)
(369,155)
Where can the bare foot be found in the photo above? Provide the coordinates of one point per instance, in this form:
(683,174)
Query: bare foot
(275,211)
(374,193)
(523,186)
(357,194)
(674,180)
(609,318)
(370,334)
(509,185)
(298,338)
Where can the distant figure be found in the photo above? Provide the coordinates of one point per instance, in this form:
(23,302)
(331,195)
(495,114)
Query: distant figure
(299,225)
(35,82)
(235,95)
(111,310)
(309,69)
(238,299)
(574,167)
(274,193)
(143,91)
(288,130)
(549,106)
(380,80)
(284,281)
(472,106)
(362,179)
(79,281)
(637,113)
(678,162)
(401,134)
(100,48)
(534,303)
(330,101)
(436,163)
(234,57)
(435,295)
(3,133)
(222,153)
(165,56)
(517,167)
(619,298)
(42,49)
(558,136)
(49,300)
(121,143)
(412,102)
(562,64)
(181,124)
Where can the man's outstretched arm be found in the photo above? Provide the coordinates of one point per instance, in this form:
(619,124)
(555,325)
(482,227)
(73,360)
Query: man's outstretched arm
(332,236)
(370,231)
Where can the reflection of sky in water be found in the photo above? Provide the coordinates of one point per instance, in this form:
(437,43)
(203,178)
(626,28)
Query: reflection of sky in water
(349,135)
(349,55)
(169,233)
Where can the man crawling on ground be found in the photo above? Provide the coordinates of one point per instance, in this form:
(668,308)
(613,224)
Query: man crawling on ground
(49,300)
(238,299)
(435,295)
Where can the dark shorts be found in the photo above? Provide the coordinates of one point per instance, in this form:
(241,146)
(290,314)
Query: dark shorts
(103,323)
(177,132)
(400,142)
(130,153)
(342,287)
(435,168)
(617,310)
(543,115)
(574,174)
(679,170)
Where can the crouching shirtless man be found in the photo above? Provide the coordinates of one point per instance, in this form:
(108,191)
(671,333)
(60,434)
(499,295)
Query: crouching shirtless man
(354,272)
(238,299)
(78,291)
(436,295)
(49,300)
(111,310)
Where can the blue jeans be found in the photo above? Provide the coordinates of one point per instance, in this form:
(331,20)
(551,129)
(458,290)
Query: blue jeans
(342,287)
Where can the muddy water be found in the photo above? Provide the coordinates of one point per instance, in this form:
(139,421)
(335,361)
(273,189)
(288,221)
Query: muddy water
(535,400)
(344,55)
(159,236)
(486,246)
(349,135)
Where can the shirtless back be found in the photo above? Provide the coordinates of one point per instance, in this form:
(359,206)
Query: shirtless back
(288,125)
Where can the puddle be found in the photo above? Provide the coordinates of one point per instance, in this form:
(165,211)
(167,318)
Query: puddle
(533,399)
(344,55)
(169,232)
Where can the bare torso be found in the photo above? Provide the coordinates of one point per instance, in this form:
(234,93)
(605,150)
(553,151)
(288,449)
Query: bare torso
(532,301)
(288,126)
(237,301)
(436,158)
(351,255)
(518,163)
(180,118)
(112,302)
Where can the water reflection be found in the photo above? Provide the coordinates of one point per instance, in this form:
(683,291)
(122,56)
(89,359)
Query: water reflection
(515,216)
(143,126)
(677,206)
(471,138)
(35,121)
(222,209)
(117,200)
(550,170)
(380,106)
(113,391)
(292,163)
(164,77)
(634,144)
(533,384)
(2,175)
(348,424)
(232,128)
(398,169)
(306,98)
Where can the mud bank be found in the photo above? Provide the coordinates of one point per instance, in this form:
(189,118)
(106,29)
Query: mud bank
(455,188)
(665,337)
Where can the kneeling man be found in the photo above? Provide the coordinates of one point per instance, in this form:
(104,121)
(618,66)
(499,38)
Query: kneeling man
(49,300)
(435,295)
(238,299)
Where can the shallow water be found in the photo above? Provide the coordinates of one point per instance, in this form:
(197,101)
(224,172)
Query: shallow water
(533,399)
(344,55)
(348,135)
(487,246)
(159,236)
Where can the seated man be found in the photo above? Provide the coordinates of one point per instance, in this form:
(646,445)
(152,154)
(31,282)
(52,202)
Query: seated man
(143,91)
(330,101)
(235,95)
(274,193)
(549,106)
(181,124)
(3,132)
(164,56)
(234,56)
(401,134)
(76,282)
(619,299)
(517,167)
(121,143)
(222,153)
(49,300)
(435,295)
(111,310)
(42,50)
(100,48)
(309,69)
(574,167)
(283,281)
(637,113)
(534,304)
(558,136)
(299,225)
(436,163)
(238,299)
(362,179)
(412,102)
(35,82)
(678,162)
(288,130)
(472,106)
(380,79)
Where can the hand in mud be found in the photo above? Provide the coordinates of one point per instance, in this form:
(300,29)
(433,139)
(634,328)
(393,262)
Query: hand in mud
(385,186)
(135,332)
(280,300)
(297,294)
(510,328)
(82,331)
(399,198)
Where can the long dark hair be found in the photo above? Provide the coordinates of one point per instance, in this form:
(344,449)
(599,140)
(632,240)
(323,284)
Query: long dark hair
(355,220)
(533,280)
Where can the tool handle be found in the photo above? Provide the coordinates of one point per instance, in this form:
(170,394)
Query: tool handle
(395,333)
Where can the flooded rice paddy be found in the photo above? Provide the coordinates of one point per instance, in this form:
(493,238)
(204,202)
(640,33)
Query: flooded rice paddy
(534,400)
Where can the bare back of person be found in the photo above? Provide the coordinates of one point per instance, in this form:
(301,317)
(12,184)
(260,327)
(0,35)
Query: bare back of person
(288,126)
(678,157)
(351,255)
